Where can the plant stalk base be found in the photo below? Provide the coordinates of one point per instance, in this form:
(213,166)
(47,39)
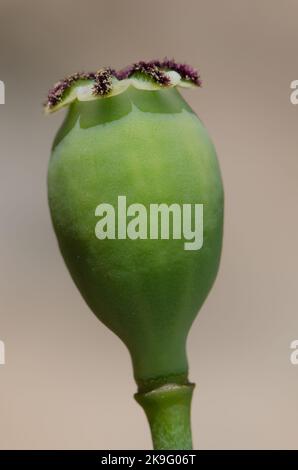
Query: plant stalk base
(168,411)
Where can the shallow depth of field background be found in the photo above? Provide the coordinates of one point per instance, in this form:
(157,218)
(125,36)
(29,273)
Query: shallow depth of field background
(67,382)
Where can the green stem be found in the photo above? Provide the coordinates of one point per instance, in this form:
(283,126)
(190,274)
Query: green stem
(168,411)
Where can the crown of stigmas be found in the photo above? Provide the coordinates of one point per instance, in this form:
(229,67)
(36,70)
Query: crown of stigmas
(106,82)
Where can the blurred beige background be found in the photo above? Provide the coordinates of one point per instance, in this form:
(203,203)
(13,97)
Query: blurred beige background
(67,382)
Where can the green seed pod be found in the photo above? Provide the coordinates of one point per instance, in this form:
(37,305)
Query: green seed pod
(136,200)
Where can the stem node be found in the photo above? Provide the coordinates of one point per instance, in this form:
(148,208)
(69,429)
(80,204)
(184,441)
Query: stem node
(168,411)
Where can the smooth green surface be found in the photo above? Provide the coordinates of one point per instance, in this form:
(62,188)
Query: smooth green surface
(168,412)
(151,147)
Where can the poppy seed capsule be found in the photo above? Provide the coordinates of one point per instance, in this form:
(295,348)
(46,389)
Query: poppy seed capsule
(130,138)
